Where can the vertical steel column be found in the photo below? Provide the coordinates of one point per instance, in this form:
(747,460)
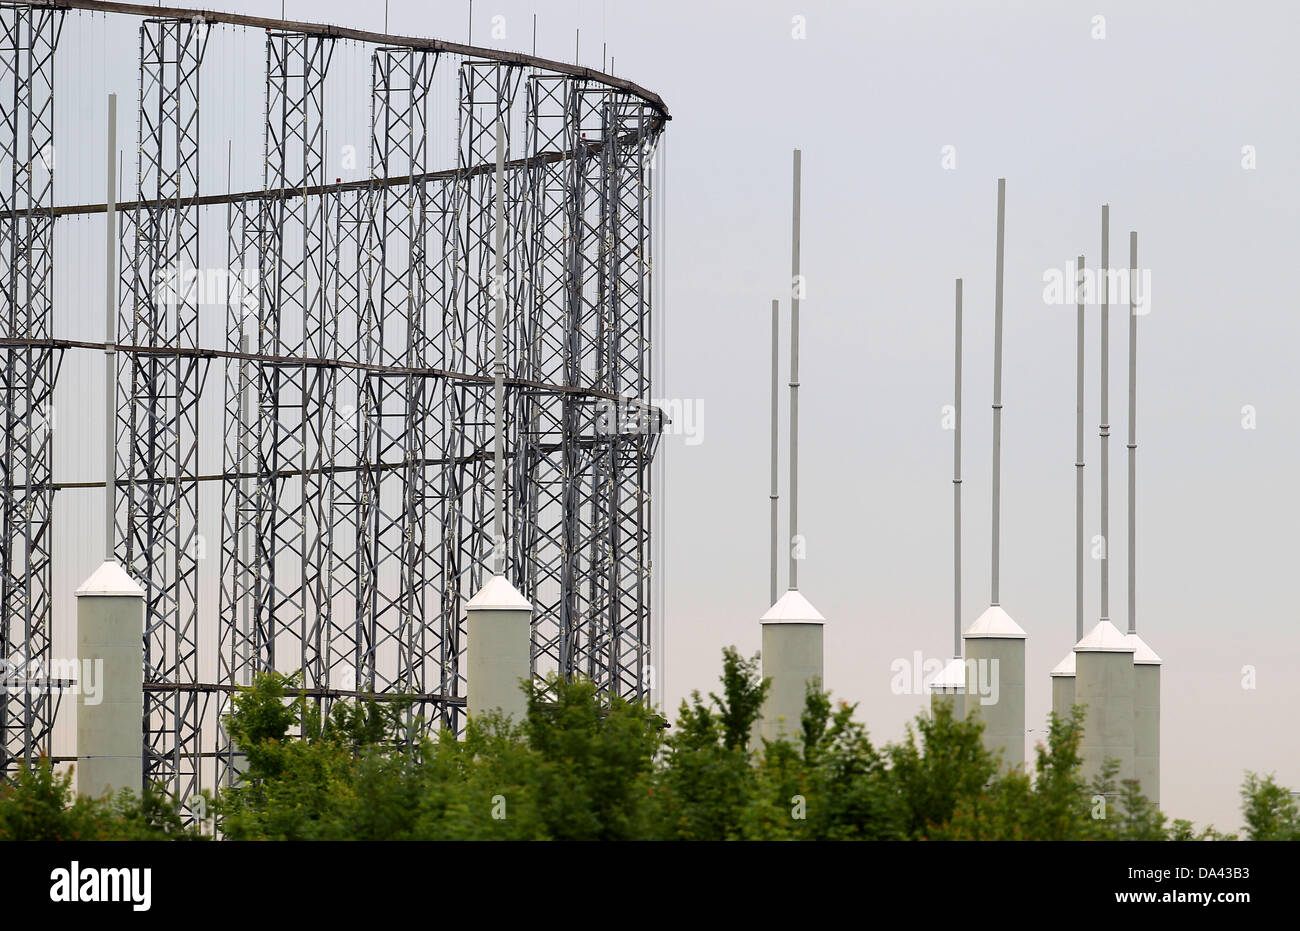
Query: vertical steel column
(400,566)
(158,400)
(28,38)
(627,149)
(591,421)
(241,632)
(487,92)
(347,640)
(295,397)
(543,468)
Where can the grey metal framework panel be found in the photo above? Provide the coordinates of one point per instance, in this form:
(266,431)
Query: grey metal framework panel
(28,38)
(356,479)
(547,446)
(399,576)
(158,394)
(280,493)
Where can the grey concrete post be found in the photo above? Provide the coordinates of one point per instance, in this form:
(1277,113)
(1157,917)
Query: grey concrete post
(498,641)
(792,659)
(110,724)
(1104,682)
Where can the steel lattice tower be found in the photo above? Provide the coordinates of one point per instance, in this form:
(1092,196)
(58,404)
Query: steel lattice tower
(30,365)
(353,385)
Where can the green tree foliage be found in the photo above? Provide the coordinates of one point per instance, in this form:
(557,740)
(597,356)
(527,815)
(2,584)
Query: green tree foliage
(40,805)
(1269,810)
(743,691)
(583,766)
(1057,804)
(948,764)
(849,792)
(594,762)
(707,776)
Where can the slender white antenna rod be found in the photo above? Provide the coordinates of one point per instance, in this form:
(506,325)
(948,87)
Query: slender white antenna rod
(1104,426)
(774,494)
(796,288)
(110,337)
(1132,431)
(1078,455)
(997,390)
(956,488)
(498,361)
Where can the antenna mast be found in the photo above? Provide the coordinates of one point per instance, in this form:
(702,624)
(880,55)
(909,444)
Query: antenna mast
(774,494)
(956,487)
(1104,427)
(1132,430)
(997,390)
(110,338)
(1078,454)
(498,362)
(796,288)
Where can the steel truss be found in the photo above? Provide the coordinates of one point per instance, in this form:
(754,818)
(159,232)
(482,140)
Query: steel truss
(28,38)
(158,394)
(356,477)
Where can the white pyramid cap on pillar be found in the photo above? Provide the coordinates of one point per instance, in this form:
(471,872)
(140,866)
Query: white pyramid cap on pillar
(110,580)
(1143,655)
(995,622)
(498,594)
(1104,638)
(952,676)
(1066,666)
(792,608)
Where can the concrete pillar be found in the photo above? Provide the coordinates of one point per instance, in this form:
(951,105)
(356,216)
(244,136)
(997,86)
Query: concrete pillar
(1063,687)
(498,633)
(110,725)
(995,682)
(949,687)
(1146,717)
(792,658)
(1104,682)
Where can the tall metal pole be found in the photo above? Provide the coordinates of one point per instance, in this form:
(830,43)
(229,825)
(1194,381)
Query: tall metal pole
(997,390)
(956,487)
(796,287)
(774,494)
(1132,431)
(498,362)
(1104,427)
(1078,453)
(110,336)
(246,649)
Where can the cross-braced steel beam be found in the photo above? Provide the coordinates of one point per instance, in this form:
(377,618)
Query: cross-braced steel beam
(28,38)
(157,418)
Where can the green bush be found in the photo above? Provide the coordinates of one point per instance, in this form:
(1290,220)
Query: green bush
(39,804)
(584,766)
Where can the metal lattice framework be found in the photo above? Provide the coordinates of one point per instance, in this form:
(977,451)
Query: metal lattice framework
(158,394)
(29,38)
(356,481)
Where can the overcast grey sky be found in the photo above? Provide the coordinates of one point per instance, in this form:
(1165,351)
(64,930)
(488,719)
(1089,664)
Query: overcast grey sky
(1152,119)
